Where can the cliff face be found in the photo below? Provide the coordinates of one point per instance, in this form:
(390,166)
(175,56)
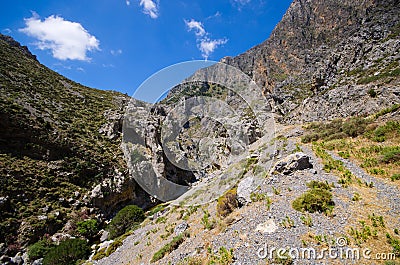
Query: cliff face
(323,57)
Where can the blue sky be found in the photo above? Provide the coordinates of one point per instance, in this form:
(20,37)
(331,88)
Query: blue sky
(118,44)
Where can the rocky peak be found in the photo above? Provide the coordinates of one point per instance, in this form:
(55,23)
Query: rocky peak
(317,45)
(16,44)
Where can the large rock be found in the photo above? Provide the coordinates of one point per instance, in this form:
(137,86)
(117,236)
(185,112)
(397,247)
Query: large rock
(293,162)
(179,229)
(244,190)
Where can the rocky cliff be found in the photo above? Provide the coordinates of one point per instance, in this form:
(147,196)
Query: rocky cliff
(323,58)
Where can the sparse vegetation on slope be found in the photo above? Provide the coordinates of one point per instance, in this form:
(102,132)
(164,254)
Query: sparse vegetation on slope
(52,151)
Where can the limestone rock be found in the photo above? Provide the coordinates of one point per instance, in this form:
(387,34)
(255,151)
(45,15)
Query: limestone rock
(244,190)
(179,229)
(267,227)
(293,162)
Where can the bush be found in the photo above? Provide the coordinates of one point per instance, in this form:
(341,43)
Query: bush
(391,154)
(39,249)
(168,248)
(126,219)
(227,203)
(317,199)
(88,228)
(395,243)
(380,133)
(68,252)
(319,185)
(395,177)
(336,129)
(372,93)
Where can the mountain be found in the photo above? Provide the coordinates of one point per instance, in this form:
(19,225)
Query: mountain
(59,140)
(323,57)
(307,155)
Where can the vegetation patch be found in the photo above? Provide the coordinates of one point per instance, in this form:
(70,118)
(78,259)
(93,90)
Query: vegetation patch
(227,203)
(317,199)
(39,249)
(88,228)
(126,219)
(68,252)
(168,248)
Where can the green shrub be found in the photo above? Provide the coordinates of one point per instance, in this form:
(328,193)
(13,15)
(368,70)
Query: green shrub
(395,243)
(168,248)
(372,93)
(319,185)
(39,249)
(395,177)
(101,253)
(126,219)
(227,203)
(336,129)
(380,133)
(222,257)
(88,228)
(207,223)
(391,109)
(68,252)
(391,154)
(113,247)
(317,199)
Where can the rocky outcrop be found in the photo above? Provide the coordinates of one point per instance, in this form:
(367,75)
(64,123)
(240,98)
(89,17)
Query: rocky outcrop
(23,49)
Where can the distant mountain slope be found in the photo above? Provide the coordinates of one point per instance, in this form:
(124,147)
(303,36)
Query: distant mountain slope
(324,56)
(58,139)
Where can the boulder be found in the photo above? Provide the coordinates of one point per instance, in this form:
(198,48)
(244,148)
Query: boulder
(293,162)
(244,190)
(104,236)
(179,229)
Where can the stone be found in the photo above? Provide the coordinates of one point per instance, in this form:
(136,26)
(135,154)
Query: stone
(244,190)
(179,229)
(17,259)
(268,227)
(293,162)
(38,262)
(104,235)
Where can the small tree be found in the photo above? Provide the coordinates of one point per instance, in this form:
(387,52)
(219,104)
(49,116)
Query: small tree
(126,219)
(68,252)
(39,249)
(88,228)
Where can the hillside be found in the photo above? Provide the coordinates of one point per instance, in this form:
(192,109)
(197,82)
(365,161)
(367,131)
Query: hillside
(59,139)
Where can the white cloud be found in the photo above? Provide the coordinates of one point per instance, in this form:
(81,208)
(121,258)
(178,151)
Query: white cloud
(216,15)
(66,39)
(205,44)
(6,31)
(116,52)
(128,2)
(150,8)
(197,26)
(240,3)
